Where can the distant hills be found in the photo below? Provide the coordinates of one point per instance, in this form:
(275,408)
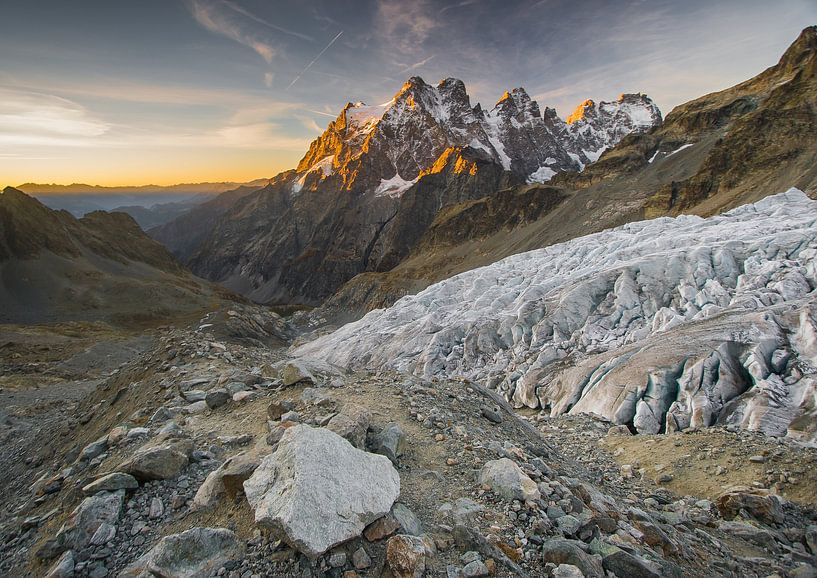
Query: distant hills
(182,188)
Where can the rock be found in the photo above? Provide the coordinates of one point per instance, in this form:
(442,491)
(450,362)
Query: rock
(227,480)
(507,480)
(116,435)
(361,559)
(619,430)
(216,398)
(296,372)
(62,568)
(277,408)
(110,483)
(475,569)
(157,508)
(351,423)
(161,415)
(757,459)
(292,416)
(155,463)
(753,534)
(567,571)
(491,413)
(465,510)
(560,551)
(811,538)
(105,533)
(337,560)
(196,407)
(409,523)
(381,528)
(764,508)
(389,441)
(195,553)
(318,491)
(137,432)
(94,449)
(244,396)
(86,519)
(406,555)
(194,395)
(622,563)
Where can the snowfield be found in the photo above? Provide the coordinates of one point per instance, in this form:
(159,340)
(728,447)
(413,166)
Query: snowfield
(663,324)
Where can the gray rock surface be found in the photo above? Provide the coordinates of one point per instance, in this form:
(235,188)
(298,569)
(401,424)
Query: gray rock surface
(506,479)
(319,491)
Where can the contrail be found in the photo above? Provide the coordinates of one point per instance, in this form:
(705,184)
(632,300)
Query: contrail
(251,16)
(308,66)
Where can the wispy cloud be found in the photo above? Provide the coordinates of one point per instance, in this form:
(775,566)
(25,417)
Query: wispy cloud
(405,25)
(457,5)
(243,11)
(219,16)
(314,60)
(417,65)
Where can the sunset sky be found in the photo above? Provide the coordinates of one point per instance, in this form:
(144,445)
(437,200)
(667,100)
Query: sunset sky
(115,92)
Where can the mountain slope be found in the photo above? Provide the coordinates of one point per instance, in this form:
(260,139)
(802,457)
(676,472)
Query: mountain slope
(709,155)
(368,188)
(54,267)
(661,325)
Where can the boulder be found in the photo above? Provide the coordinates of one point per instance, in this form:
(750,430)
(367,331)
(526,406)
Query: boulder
(567,571)
(762,507)
(507,480)
(278,408)
(111,483)
(227,480)
(560,551)
(296,372)
(409,522)
(195,553)
(94,449)
(389,441)
(62,568)
(87,518)
(406,555)
(351,423)
(216,398)
(155,463)
(318,491)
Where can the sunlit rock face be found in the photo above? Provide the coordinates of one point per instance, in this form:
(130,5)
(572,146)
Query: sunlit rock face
(388,147)
(594,128)
(662,325)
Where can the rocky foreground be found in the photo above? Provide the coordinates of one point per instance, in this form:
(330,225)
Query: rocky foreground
(209,453)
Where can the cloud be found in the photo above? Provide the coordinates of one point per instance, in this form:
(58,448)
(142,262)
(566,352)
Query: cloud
(33,118)
(236,8)
(404,25)
(268,78)
(218,16)
(416,65)
(456,5)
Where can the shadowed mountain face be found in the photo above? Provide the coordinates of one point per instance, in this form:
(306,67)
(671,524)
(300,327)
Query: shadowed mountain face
(369,187)
(102,266)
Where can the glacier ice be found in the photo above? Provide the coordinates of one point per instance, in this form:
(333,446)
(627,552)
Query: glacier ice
(663,324)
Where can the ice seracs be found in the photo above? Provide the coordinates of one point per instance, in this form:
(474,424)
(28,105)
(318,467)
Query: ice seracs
(663,324)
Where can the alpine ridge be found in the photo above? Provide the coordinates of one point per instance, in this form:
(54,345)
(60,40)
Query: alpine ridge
(368,188)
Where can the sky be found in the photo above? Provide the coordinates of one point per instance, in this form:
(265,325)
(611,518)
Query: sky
(119,92)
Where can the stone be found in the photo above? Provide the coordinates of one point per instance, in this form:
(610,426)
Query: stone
(157,508)
(361,559)
(753,534)
(811,538)
(296,372)
(409,523)
(111,483)
(389,441)
(63,567)
(351,423)
(561,551)
(337,560)
(623,563)
(292,416)
(406,556)
(278,408)
(619,430)
(507,480)
(94,449)
(475,569)
(465,510)
(155,463)
(228,480)
(318,491)
(116,435)
(81,526)
(196,407)
(137,432)
(567,571)
(762,507)
(161,415)
(381,528)
(216,398)
(194,395)
(491,413)
(195,553)
(105,533)
(244,396)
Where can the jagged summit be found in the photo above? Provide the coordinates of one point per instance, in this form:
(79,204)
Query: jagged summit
(386,148)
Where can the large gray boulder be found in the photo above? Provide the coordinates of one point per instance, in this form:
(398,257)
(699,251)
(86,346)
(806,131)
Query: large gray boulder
(86,519)
(317,490)
(156,463)
(196,553)
(227,480)
(507,480)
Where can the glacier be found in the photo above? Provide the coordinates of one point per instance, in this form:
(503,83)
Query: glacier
(662,325)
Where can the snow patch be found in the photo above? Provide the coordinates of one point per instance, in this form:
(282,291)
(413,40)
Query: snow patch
(541,175)
(393,187)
